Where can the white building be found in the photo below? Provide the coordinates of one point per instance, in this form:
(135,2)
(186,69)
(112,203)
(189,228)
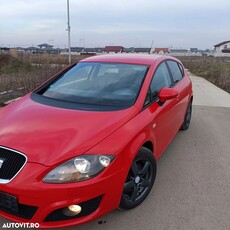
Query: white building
(222,48)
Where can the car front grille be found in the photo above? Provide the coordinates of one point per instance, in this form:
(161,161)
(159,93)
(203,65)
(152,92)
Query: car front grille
(11,163)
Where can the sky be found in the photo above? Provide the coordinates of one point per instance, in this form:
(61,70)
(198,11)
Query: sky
(129,23)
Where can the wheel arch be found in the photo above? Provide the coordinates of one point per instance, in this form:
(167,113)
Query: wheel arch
(142,140)
(148,145)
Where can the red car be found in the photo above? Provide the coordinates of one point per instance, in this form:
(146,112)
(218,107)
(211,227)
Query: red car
(87,140)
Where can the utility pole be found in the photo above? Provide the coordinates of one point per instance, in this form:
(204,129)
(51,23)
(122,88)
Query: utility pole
(151,46)
(68,29)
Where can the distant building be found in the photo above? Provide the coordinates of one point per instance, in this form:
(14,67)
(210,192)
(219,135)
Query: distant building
(172,50)
(33,50)
(73,50)
(179,52)
(161,50)
(92,51)
(113,49)
(76,50)
(89,51)
(142,50)
(4,49)
(45,46)
(20,49)
(128,50)
(223,47)
(194,50)
(99,50)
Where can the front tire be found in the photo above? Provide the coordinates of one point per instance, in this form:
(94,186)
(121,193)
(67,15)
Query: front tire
(140,179)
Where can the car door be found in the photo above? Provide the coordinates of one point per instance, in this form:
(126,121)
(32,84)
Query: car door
(179,84)
(161,124)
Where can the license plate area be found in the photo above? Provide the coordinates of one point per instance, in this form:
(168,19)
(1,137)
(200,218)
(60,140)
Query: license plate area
(8,202)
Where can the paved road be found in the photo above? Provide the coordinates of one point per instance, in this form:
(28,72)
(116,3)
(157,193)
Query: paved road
(207,94)
(192,189)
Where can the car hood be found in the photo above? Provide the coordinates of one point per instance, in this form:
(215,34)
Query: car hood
(50,135)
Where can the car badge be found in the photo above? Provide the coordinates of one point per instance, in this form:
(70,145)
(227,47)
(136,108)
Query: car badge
(1,162)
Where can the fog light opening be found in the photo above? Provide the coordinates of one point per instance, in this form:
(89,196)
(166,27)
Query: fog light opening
(72,210)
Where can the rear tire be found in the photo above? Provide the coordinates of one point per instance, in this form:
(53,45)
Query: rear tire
(188,117)
(140,179)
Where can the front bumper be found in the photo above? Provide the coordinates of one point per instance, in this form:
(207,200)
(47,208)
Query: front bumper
(45,203)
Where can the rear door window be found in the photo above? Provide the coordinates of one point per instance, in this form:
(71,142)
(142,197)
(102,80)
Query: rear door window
(176,70)
(161,79)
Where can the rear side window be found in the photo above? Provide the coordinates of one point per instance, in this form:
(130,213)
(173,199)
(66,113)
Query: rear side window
(176,70)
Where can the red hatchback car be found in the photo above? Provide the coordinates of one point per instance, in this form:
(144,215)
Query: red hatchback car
(87,140)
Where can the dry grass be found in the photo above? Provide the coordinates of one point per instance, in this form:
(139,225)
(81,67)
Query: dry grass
(20,77)
(23,73)
(215,70)
(47,58)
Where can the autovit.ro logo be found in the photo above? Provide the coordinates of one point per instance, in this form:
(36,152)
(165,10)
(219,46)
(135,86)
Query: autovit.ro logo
(20,225)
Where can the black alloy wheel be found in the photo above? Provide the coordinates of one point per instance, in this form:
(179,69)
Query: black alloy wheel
(187,118)
(140,179)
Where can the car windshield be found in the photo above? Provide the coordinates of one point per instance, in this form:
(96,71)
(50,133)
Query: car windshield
(99,84)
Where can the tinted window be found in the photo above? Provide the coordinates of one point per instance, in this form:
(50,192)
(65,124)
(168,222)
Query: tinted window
(98,84)
(175,70)
(161,79)
(181,69)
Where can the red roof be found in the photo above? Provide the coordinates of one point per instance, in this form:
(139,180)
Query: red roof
(113,48)
(164,50)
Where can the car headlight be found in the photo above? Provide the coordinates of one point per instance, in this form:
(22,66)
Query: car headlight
(78,169)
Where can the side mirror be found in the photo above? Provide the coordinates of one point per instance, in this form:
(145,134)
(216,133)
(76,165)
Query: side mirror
(167,94)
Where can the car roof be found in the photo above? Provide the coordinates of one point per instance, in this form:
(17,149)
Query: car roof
(143,59)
